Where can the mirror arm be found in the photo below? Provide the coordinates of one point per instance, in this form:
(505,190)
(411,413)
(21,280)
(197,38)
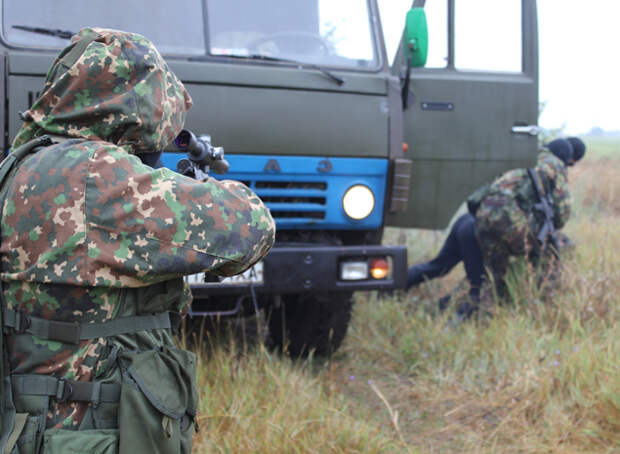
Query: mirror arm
(405,90)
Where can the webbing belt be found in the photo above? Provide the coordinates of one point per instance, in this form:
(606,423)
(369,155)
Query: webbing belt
(75,332)
(65,390)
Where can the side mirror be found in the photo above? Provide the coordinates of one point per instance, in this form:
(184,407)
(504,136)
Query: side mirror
(416,35)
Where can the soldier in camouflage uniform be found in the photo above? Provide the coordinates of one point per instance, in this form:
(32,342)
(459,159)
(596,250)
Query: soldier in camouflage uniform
(507,222)
(501,223)
(94,247)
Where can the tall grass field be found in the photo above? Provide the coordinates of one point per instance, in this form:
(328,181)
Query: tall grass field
(540,376)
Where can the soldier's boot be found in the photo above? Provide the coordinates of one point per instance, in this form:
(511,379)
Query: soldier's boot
(444,302)
(465,310)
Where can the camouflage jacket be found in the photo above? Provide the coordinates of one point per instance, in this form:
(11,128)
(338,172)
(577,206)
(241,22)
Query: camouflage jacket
(86,226)
(505,217)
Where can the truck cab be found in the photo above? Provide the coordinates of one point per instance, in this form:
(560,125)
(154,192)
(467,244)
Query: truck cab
(338,139)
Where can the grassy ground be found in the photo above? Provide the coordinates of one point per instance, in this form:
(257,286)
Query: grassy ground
(604,146)
(537,377)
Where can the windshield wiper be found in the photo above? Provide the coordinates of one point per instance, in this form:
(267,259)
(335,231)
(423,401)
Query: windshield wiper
(65,34)
(330,75)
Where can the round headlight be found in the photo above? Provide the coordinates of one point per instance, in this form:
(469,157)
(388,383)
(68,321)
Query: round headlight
(358,202)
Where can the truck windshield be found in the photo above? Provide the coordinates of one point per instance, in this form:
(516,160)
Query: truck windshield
(321,32)
(175,27)
(324,32)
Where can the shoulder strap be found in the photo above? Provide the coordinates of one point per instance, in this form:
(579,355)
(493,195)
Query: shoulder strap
(7,408)
(19,153)
(544,206)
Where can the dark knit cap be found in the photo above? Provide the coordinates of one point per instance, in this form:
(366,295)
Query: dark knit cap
(579,148)
(562,149)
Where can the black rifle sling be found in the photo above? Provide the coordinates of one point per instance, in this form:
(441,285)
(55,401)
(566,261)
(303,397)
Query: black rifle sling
(544,206)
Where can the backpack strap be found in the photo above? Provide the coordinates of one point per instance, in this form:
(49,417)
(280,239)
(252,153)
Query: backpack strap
(65,390)
(73,333)
(9,421)
(19,153)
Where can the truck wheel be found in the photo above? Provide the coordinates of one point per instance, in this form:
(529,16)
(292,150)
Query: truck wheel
(305,323)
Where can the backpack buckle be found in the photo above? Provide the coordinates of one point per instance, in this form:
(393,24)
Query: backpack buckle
(63,391)
(22,322)
(175,321)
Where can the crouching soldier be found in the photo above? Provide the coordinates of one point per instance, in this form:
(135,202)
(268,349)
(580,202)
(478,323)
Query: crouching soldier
(94,247)
(516,215)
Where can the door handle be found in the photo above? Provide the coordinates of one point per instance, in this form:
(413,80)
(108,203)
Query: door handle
(532,130)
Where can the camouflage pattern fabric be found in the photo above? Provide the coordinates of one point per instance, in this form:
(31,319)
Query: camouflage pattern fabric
(506,223)
(555,173)
(88,230)
(119,89)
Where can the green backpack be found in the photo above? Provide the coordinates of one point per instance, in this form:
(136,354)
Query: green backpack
(11,424)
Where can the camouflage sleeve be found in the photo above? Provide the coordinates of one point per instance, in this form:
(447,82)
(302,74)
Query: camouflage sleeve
(91,214)
(156,224)
(561,201)
(555,171)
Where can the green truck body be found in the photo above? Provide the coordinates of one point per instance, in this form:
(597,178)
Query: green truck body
(307,105)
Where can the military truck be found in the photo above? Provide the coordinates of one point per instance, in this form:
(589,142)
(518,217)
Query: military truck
(338,140)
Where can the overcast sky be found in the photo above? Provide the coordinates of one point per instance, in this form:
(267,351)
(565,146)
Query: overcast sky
(580,63)
(579,59)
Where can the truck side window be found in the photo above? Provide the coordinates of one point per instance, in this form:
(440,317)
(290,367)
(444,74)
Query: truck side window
(488,35)
(437,18)
(349,34)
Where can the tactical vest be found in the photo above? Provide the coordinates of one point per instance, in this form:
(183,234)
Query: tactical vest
(144,400)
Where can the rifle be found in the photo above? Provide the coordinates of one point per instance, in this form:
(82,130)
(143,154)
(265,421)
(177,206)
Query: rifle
(201,156)
(546,235)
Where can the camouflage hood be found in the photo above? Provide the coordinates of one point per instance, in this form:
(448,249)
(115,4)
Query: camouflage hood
(112,86)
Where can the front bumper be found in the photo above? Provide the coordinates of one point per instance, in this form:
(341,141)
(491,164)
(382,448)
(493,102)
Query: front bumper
(301,269)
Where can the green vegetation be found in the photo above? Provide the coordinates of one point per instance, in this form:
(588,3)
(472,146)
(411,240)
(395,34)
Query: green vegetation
(537,377)
(603,146)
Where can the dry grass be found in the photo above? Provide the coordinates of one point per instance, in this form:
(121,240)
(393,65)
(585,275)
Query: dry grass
(597,187)
(256,402)
(536,378)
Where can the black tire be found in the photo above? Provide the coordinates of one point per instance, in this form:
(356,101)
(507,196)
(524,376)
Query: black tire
(306,322)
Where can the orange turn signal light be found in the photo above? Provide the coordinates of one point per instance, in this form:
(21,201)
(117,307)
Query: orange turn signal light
(379,268)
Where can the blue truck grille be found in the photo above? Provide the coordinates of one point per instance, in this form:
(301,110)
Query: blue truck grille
(293,199)
(302,194)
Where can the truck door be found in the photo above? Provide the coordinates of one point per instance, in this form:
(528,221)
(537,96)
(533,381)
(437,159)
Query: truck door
(472,110)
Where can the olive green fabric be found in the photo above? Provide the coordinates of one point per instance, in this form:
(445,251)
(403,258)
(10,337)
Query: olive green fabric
(159,400)
(11,423)
(75,332)
(59,441)
(19,424)
(29,441)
